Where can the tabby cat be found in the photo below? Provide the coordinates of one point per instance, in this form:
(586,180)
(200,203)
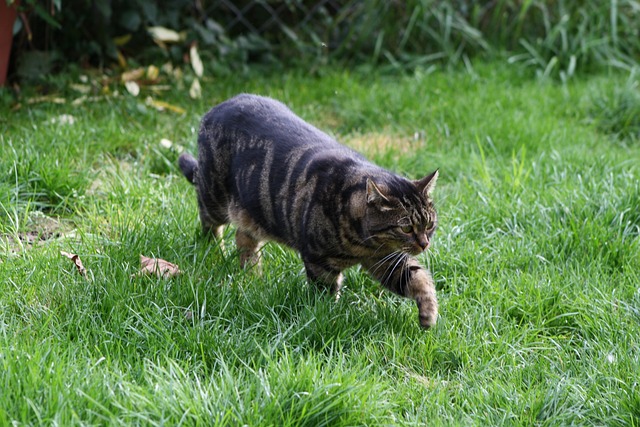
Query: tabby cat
(276,177)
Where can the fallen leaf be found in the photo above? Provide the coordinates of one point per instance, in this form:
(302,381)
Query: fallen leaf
(122,40)
(167,68)
(164,35)
(162,106)
(76,260)
(196,62)
(46,98)
(82,88)
(159,88)
(195,91)
(122,61)
(83,99)
(63,119)
(153,72)
(132,87)
(157,266)
(131,75)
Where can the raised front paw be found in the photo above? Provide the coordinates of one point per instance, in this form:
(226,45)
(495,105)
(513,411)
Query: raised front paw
(427,311)
(422,290)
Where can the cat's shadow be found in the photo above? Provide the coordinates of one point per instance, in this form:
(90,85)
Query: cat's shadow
(285,307)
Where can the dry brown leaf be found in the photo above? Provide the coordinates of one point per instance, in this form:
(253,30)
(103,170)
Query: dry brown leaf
(157,266)
(76,260)
(134,74)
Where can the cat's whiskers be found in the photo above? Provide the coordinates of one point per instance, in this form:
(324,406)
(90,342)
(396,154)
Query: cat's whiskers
(391,262)
(402,259)
(382,261)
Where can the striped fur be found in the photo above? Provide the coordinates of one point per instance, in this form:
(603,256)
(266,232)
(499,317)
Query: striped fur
(276,177)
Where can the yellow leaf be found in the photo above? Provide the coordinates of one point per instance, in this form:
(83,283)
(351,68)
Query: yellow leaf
(162,106)
(152,72)
(122,62)
(122,40)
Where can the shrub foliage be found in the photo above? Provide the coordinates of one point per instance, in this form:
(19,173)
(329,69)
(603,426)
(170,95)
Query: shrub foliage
(555,37)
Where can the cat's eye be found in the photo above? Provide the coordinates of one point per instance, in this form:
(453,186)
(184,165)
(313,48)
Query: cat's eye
(406,228)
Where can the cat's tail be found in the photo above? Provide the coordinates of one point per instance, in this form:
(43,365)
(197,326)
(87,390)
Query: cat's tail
(189,166)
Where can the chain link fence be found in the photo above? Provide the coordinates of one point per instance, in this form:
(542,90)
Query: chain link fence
(266,17)
(352,29)
(303,28)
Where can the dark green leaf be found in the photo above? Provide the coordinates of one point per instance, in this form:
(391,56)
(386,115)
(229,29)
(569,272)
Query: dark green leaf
(130,20)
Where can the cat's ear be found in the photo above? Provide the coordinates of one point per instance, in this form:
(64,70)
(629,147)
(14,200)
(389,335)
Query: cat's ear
(428,183)
(374,194)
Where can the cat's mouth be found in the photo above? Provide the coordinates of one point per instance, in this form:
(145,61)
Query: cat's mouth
(417,249)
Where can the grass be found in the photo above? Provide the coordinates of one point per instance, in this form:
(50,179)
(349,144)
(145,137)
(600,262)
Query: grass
(537,263)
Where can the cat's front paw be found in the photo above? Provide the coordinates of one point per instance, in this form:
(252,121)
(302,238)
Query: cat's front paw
(422,290)
(427,311)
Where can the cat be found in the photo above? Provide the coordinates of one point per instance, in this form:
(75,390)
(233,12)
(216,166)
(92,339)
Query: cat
(276,177)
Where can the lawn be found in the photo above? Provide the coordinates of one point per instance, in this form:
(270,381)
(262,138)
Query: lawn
(536,260)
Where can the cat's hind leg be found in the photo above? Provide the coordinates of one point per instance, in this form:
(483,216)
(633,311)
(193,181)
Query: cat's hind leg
(211,226)
(249,249)
(212,213)
(405,276)
(324,276)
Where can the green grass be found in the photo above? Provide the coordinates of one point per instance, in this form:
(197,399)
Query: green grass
(537,262)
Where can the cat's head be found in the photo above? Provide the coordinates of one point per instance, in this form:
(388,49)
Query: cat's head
(400,215)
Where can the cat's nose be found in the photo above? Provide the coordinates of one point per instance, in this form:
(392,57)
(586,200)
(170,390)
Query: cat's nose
(423,242)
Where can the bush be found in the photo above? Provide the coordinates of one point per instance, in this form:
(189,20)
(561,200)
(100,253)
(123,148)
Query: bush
(554,37)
